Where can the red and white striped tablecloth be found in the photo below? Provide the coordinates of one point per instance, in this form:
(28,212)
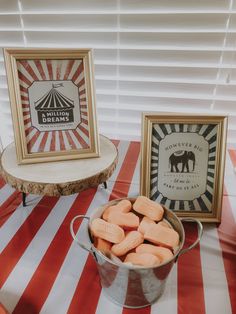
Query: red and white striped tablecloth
(43,271)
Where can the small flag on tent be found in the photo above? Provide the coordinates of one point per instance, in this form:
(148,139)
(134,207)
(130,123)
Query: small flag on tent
(57,85)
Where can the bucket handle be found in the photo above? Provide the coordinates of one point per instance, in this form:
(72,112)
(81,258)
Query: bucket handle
(200,231)
(84,246)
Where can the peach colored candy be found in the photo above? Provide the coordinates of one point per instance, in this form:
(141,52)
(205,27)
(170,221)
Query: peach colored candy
(149,208)
(128,221)
(107,231)
(132,239)
(164,223)
(3,310)
(145,224)
(102,245)
(142,259)
(162,236)
(123,206)
(162,253)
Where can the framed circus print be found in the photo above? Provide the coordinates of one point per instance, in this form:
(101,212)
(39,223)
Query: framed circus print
(53,103)
(182,164)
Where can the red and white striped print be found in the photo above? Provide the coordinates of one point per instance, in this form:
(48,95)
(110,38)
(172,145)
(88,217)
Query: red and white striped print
(40,70)
(43,271)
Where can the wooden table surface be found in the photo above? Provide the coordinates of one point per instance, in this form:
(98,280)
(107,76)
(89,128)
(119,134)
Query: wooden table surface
(61,177)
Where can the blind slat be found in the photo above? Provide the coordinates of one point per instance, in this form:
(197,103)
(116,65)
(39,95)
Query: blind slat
(101,11)
(166,95)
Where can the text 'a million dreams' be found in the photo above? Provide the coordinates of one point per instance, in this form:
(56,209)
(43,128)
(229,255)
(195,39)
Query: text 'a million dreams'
(55,117)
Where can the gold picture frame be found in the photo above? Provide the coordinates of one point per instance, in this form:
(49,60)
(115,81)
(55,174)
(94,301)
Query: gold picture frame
(183,161)
(53,106)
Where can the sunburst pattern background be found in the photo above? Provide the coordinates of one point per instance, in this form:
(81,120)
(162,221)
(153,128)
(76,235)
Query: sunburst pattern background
(209,133)
(41,70)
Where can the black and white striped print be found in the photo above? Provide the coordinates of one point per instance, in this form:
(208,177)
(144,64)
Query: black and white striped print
(209,132)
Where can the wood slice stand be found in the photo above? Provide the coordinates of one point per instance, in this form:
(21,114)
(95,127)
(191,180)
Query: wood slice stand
(62,177)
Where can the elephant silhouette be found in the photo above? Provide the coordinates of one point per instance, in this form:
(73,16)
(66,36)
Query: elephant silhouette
(181,157)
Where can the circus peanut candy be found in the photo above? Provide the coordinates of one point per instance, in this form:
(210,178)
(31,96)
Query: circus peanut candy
(162,253)
(162,236)
(145,224)
(107,231)
(142,259)
(3,309)
(123,206)
(149,208)
(131,241)
(102,245)
(164,223)
(127,221)
(124,232)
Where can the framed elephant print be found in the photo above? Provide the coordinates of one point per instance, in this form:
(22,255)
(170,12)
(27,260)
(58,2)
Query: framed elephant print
(182,164)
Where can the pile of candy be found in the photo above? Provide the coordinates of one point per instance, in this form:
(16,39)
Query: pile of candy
(135,234)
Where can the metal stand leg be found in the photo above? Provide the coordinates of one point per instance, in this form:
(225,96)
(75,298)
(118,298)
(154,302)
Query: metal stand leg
(24,199)
(105,184)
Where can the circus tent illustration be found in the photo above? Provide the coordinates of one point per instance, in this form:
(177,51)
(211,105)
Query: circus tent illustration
(30,71)
(54,107)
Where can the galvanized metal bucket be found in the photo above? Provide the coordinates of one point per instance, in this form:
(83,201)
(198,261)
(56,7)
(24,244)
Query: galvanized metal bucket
(129,286)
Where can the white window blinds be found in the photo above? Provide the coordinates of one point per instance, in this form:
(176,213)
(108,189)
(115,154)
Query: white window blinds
(151,55)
